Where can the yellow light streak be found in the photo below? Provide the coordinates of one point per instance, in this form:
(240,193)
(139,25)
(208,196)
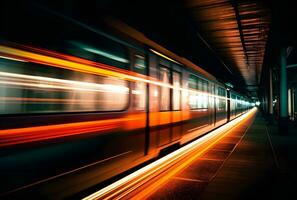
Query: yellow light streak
(163,56)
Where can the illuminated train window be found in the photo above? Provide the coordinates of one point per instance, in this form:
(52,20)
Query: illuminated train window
(233,101)
(140,64)
(199,99)
(32,88)
(170,99)
(139,92)
(192,82)
(165,91)
(203,98)
(221,102)
(176,94)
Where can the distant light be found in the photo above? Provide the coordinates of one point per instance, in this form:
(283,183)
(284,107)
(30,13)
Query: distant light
(107,55)
(257,103)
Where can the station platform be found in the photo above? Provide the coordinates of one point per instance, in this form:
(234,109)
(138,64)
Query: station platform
(253,161)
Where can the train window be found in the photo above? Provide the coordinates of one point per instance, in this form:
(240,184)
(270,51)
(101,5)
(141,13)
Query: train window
(199,99)
(202,97)
(192,94)
(28,88)
(238,103)
(139,96)
(176,78)
(221,92)
(233,101)
(192,100)
(104,51)
(165,91)
(233,97)
(139,64)
(192,82)
(205,86)
(221,101)
(200,84)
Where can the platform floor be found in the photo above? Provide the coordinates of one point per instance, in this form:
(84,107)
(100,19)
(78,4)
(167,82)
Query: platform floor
(254,161)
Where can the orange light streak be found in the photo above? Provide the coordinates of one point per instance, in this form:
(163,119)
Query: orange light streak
(38,133)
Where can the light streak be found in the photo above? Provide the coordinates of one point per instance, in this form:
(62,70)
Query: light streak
(89,68)
(107,55)
(163,56)
(140,65)
(131,182)
(76,85)
(30,134)
(68,172)
(47,100)
(14,59)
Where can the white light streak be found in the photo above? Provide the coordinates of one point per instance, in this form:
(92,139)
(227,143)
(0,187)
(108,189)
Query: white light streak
(14,59)
(107,55)
(54,83)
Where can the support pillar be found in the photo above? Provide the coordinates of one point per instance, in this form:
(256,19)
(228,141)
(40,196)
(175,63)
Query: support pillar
(293,103)
(270,97)
(270,100)
(283,120)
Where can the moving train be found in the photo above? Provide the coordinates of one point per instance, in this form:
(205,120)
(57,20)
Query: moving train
(78,112)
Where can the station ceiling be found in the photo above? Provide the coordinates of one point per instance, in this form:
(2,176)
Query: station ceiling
(238,33)
(235,40)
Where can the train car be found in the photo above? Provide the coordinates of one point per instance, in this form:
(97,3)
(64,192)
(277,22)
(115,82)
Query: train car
(88,105)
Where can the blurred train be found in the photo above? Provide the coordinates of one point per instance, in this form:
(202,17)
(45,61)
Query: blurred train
(76,114)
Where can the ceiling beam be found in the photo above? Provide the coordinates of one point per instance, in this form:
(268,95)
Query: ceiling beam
(213,51)
(238,19)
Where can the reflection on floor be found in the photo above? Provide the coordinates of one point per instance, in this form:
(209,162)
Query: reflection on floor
(251,162)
